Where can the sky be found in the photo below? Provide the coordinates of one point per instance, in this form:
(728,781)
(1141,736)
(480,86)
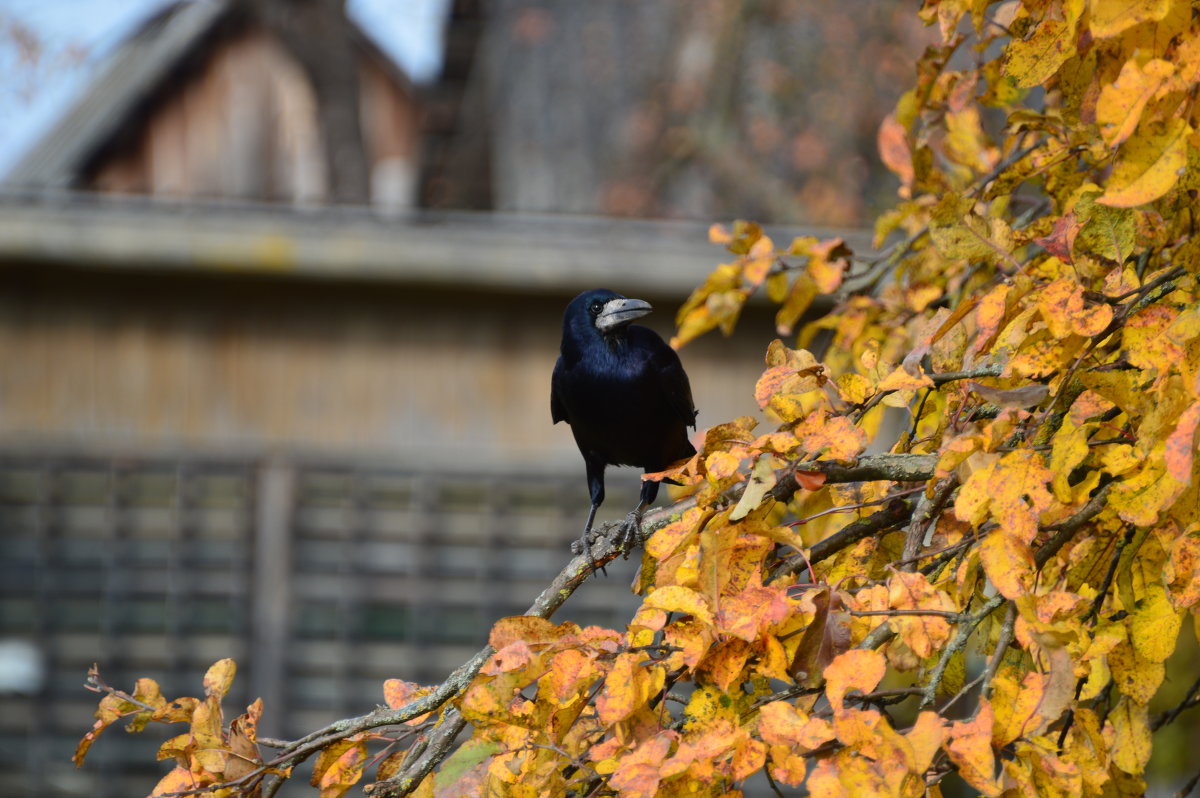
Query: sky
(43,72)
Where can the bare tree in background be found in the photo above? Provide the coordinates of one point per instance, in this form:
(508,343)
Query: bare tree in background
(765,109)
(318,34)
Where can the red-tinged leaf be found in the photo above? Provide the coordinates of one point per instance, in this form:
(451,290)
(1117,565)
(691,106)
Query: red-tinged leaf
(390,765)
(1061,241)
(789,378)
(512,657)
(826,636)
(1181,445)
(219,678)
(810,480)
(751,612)
(85,744)
(895,152)
(527,629)
(857,669)
(719,234)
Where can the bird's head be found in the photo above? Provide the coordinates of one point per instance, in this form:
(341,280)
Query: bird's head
(605,311)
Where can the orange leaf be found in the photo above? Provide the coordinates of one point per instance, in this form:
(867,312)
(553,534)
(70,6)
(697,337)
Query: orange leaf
(810,480)
(622,693)
(970,747)
(570,670)
(339,767)
(856,669)
(639,772)
(178,780)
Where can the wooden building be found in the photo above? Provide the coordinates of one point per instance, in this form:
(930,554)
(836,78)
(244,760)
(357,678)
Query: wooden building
(204,101)
(235,421)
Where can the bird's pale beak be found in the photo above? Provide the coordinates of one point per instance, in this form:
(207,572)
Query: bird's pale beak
(619,312)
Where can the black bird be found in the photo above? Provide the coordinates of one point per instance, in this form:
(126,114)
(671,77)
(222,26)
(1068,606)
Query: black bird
(625,395)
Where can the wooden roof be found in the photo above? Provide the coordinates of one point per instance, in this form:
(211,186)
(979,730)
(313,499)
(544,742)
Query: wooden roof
(129,80)
(456,250)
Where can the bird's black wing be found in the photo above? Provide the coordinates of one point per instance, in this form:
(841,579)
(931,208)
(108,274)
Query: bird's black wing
(673,382)
(557,411)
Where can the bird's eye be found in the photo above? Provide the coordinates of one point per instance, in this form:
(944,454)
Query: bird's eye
(596,307)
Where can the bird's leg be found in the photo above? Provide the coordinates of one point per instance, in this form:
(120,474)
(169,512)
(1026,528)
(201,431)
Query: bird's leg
(630,532)
(585,540)
(595,478)
(631,527)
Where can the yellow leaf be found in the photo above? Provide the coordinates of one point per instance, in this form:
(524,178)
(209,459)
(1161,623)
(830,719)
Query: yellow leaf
(1148,165)
(989,314)
(219,677)
(1032,61)
(856,669)
(854,388)
(1120,106)
(1154,626)
(1131,736)
(1008,562)
(682,600)
(925,737)
(1111,17)
(762,479)
(1068,449)
(720,465)
(901,380)
(1135,677)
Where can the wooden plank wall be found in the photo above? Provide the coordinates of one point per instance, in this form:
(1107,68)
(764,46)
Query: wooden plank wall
(115,362)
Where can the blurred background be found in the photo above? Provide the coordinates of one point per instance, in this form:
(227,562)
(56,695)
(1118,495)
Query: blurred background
(282,290)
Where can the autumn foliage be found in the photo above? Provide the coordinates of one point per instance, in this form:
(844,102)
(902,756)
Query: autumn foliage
(994,592)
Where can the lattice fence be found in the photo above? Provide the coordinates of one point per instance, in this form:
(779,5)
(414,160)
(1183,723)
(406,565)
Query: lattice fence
(322,579)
